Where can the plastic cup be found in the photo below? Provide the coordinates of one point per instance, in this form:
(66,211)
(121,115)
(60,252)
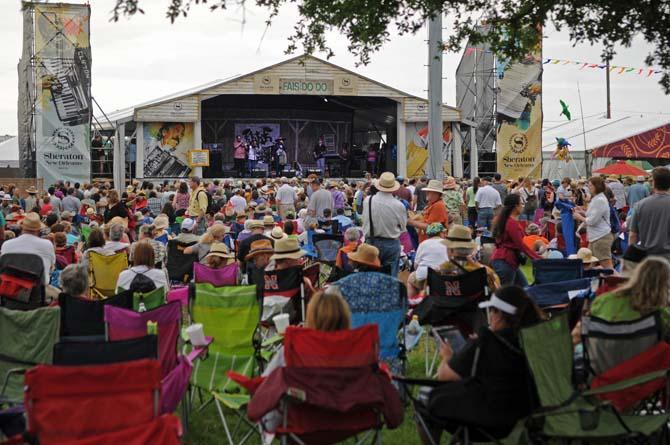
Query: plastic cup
(196,334)
(281,323)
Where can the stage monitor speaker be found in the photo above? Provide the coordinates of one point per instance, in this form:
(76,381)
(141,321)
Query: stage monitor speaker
(356,173)
(230,173)
(288,173)
(259,173)
(312,171)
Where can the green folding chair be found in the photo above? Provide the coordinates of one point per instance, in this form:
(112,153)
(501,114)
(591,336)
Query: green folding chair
(231,315)
(570,415)
(150,300)
(27,338)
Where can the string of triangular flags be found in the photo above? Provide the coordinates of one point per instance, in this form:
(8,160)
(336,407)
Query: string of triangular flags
(616,69)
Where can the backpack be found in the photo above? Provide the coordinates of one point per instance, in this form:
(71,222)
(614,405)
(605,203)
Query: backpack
(142,283)
(211,206)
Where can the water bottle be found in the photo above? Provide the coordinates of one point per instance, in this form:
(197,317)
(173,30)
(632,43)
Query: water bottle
(245,280)
(142,307)
(414,327)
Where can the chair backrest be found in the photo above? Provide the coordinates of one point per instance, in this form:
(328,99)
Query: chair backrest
(230,314)
(470,285)
(180,265)
(225,276)
(105,352)
(27,338)
(313,273)
(84,232)
(327,245)
(104,272)
(606,344)
(380,299)
(123,324)
(69,253)
(281,287)
(548,349)
(83,317)
(609,283)
(66,403)
(560,293)
(594,273)
(553,271)
(21,285)
(309,348)
(150,300)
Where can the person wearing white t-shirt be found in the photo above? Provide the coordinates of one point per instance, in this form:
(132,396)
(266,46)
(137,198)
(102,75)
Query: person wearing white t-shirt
(487,200)
(431,253)
(143,264)
(286,198)
(238,202)
(31,243)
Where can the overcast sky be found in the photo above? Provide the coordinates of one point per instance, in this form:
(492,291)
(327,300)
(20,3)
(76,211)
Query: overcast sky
(146,57)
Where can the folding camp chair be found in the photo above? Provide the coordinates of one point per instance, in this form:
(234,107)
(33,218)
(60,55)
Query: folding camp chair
(553,271)
(282,289)
(378,298)
(331,388)
(553,298)
(104,271)
(81,318)
(144,301)
(596,273)
(108,398)
(101,352)
(27,338)
(225,276)
(180,265)
(567,414)
(230,314)
(609,283)
(21,281)
(326,246)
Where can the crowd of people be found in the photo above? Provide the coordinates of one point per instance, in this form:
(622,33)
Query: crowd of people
(388,224)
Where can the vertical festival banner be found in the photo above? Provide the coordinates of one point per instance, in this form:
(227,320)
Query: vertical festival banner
(519,116)
(417,148)
(63,92)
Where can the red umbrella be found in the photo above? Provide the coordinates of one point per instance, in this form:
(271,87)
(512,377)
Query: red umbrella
(621,168)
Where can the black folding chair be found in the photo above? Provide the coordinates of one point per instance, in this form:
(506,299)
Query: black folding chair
(83,319)
(25,268)
(105,352)
(327,246)
(180,265)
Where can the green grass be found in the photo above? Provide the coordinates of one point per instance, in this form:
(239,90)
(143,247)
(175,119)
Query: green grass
(205,427)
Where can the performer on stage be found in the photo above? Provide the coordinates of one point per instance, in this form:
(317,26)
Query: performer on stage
(252,155)
(239,155)
(372,159)
(319,152)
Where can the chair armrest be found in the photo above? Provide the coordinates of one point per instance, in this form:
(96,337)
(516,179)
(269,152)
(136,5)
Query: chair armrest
(9,373)
(199,351)
(629,383)
(418,382)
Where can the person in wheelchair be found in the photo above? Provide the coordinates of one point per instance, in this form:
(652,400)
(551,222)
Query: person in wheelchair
(489,384)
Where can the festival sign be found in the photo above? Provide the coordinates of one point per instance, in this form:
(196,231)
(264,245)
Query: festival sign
(417,148)
(198,158)
(63,86)
(166,147)
(650,144)
(519,117)
(306,86)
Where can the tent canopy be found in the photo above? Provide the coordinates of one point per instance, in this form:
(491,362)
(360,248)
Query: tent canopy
(9,153)
(621,168)
(650,144)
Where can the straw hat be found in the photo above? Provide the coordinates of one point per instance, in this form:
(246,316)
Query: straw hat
(387,183)
(612,178)
(255,224)
(258,247)
(585,255)
(118,220)
(459,237)
(268,220)
(366,254)
(90,211)
(287,248)
(32,190)
(450,184)
(67,214)
(277,234)
(31,222)
(161,222)
(434,185)
(220,250)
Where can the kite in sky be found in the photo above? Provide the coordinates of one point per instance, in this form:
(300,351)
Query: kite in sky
(565,111)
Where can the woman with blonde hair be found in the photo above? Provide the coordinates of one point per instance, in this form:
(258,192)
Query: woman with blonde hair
(214,234)
(646,291)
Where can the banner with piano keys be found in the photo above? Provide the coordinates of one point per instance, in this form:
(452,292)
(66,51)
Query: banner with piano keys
(166,146)
(63,86)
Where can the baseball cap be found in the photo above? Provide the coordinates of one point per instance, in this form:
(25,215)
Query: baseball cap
(187,224)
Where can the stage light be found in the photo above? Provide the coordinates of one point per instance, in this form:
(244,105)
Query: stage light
(325,100)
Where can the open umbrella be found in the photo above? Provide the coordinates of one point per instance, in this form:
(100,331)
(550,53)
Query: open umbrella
(621,168)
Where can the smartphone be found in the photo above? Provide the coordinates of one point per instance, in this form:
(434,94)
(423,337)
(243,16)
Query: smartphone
(451,335)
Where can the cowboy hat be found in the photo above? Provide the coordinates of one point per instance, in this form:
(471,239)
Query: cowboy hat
(585,255)
(386,183)
(366,254)
(257,247)
(268,220)
(459,237)
(220,250)
(450,184)
(32,190)
(277,233)
(161,222)
(434,185)
(287,248)
(255,224)
(31,222)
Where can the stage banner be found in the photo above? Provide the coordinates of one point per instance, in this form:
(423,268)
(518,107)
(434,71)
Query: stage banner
(63,86)
(166,147)
(417,148)
(519,117)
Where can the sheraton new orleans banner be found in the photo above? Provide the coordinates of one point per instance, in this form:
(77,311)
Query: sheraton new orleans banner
(63,86)
(519,117)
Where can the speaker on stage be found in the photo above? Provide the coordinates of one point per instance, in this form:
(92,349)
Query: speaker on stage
(230,173)
(259,173)
(313,171)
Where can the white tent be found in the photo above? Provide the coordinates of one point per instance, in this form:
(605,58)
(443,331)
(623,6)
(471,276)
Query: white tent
(9,153)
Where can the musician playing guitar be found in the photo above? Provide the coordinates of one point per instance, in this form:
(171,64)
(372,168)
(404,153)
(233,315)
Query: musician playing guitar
(319,152)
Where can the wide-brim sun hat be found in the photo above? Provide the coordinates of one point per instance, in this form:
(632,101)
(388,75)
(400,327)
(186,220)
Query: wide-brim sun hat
(220,250)
(585,255)
(255,224)
(287,248)
(161,222)
(459,237)
(434,185)
(31,221)
(386,183)
(32,190)
(450,184)
(268,220)
(258,247)
(366,254)
(277,234)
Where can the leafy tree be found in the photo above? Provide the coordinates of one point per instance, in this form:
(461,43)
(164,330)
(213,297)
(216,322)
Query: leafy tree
(367,23)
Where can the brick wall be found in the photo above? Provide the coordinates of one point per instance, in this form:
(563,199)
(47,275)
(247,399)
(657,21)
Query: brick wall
(23,183)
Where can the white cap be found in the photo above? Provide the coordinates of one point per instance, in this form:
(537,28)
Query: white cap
(187,224)
(498,304)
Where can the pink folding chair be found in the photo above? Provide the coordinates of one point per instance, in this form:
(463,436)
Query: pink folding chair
(225,276)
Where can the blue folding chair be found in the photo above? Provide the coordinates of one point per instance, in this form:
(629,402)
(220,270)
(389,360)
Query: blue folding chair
(554,271)
(378,298)
(564,295)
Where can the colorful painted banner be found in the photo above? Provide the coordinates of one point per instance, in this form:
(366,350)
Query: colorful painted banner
(63,85)
(519,117)
(166,147)
(651,144)
(417,148)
